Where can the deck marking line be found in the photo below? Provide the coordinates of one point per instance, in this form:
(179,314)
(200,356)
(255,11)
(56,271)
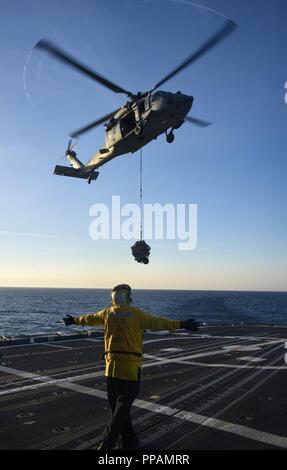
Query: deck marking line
(53,345)
(207,421)
(45,381)
(156,361)
(251,359)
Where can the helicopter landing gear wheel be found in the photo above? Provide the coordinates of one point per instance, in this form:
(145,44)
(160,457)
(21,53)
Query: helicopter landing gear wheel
(170,137)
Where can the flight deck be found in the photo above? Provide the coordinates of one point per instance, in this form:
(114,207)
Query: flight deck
(223,387)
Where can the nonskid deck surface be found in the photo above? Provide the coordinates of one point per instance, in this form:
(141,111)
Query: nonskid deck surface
(223,388)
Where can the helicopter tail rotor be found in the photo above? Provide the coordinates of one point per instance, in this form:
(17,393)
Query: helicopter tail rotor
(78,170)
(72,156)
(71,146)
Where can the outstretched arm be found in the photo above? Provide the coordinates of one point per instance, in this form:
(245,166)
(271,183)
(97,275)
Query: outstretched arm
(152,322)
(93,319)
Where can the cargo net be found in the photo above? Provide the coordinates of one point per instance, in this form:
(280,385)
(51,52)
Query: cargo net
(141,252)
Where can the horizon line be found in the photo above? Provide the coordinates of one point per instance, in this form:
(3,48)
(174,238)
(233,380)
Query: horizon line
(146,289)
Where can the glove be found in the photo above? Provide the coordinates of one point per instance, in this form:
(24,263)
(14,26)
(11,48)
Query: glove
(68,320)
(191,325)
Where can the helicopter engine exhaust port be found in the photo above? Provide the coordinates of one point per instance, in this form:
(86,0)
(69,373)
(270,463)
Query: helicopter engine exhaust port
(170,137)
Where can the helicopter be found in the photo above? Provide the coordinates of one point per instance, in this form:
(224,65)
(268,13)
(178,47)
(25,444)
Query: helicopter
(141,119)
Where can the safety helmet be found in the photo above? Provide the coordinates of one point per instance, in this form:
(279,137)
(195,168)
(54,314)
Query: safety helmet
(121,294)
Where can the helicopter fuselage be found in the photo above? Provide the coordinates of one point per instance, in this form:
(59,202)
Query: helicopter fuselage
(143,118)
(139,122)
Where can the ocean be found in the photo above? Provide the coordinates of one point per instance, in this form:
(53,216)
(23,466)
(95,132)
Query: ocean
(28,311)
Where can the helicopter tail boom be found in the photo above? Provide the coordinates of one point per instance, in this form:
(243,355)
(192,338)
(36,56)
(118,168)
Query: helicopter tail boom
(74,161)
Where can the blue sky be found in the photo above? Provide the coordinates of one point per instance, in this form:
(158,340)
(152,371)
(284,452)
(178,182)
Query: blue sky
(235,170)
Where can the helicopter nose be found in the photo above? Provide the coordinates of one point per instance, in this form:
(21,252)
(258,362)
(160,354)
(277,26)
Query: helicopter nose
(187,100)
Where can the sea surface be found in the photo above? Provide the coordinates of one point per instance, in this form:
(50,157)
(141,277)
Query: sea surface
(28,311)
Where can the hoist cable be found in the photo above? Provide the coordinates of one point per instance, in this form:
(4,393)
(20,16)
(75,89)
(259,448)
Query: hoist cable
(141,194)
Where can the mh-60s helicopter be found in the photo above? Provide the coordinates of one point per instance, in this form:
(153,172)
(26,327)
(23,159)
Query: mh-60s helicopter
(143,118)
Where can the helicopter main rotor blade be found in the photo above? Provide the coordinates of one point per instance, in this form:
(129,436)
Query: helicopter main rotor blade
(197,121)
(227,29)
(63,56)
(92,125)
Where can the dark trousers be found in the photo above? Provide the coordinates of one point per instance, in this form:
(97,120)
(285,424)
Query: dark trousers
(121,395)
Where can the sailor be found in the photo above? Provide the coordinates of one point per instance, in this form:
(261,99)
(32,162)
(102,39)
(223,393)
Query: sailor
(124,326)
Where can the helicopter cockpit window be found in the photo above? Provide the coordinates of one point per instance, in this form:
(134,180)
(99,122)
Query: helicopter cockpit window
(158,95)
(154,97)
(110,123)
(128,123)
